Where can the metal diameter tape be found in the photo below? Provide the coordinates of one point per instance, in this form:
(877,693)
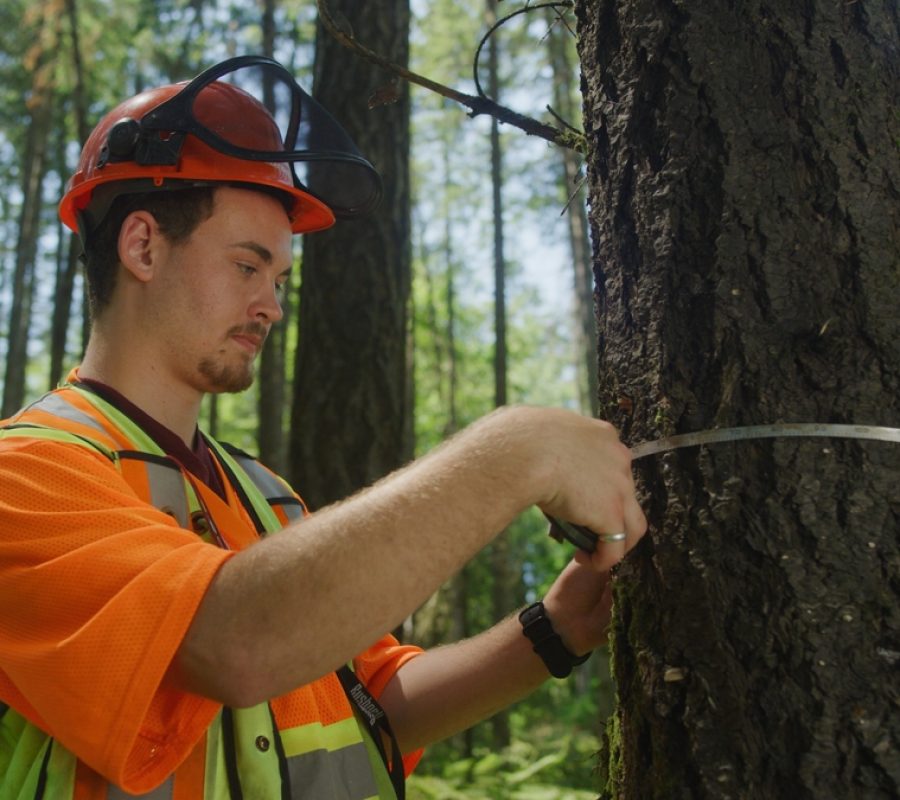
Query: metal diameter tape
(786,429)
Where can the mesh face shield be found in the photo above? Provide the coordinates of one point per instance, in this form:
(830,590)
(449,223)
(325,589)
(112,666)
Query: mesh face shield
(323,159)
(243,121)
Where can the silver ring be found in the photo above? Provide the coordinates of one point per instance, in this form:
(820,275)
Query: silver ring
(609,538)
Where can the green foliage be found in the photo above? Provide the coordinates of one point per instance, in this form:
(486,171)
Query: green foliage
(550,762)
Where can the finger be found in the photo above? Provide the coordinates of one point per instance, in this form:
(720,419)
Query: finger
(635,522)
(611,548)
(584,559)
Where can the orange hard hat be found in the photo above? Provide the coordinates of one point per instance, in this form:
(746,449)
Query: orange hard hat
(209,131)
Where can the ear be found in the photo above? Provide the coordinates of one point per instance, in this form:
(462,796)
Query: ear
(139,238)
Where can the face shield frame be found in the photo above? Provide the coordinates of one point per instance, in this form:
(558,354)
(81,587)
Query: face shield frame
(310,136)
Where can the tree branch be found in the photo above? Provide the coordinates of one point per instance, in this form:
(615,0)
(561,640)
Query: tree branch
(343,33)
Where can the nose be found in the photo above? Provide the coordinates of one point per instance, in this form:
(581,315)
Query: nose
(267,306)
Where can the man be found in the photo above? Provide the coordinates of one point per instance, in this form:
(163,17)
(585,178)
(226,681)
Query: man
(153,639)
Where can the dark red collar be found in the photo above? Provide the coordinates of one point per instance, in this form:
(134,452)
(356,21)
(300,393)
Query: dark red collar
(197,459)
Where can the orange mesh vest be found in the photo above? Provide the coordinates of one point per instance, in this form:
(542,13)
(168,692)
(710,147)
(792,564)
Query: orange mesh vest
(106,549)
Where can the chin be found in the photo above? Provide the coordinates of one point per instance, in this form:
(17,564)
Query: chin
(217,379)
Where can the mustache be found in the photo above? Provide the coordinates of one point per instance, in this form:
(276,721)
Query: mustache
(257,329)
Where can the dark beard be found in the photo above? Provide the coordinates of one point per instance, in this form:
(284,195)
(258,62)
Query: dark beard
(224,379)
(221,379)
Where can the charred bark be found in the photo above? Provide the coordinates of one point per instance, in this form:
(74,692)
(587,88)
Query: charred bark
(744,209)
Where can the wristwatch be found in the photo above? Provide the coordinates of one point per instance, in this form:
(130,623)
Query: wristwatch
(546,643)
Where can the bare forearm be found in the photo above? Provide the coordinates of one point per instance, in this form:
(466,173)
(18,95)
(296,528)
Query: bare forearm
(297,605)
(449,689)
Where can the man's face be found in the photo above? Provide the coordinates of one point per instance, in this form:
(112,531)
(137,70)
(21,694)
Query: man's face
(219,293)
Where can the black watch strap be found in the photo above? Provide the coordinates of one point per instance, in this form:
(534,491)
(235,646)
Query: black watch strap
(546,643)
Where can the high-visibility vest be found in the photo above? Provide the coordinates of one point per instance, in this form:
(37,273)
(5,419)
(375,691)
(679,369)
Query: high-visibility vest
(246,755)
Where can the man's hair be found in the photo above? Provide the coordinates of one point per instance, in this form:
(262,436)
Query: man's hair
(177,213)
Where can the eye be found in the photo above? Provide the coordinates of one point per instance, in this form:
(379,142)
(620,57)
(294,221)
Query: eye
(246,269)
(282,280)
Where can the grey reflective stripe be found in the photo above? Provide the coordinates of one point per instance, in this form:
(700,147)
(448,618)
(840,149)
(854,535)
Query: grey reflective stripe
(345,774)
(162,792)
(167,491)
(273,488)
(292,511)
(54,404)
(276,491)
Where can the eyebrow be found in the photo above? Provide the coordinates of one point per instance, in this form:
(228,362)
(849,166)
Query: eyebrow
(263,252)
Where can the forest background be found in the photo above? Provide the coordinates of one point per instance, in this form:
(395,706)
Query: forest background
(500,308)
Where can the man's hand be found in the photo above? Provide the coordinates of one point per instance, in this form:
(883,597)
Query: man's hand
(579,604)
(592,483)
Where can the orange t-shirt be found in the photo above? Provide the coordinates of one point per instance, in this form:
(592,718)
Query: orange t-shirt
(97,590)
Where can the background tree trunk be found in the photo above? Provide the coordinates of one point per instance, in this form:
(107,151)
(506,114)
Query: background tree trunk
(68,264)
(744,183)
(502,593)
(349,415)
(271,438)
(40,110)
(558,45)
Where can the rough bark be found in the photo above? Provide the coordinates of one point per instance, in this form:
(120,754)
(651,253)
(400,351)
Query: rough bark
(744,180)
(348,424)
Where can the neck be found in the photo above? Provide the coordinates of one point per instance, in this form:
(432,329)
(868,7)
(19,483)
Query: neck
(169,402)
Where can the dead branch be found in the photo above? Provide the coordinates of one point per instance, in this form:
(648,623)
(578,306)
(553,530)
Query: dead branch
(343,33)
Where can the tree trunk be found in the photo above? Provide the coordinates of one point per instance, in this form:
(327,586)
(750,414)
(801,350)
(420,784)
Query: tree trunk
(68,250)
(502,588)
(500,370)
(270,434)
(348,424)
(68,263)
(744,183)
(34,168)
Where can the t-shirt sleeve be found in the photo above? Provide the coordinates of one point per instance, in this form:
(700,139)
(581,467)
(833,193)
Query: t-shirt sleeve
(97,590)
(376,666)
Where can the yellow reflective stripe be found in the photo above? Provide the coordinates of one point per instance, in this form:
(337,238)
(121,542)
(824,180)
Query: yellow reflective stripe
(215,780)
(31,431)
(22,750)
(23,754)
(315,736)
(256,753)
(379,770)
(254,492)
(60,772)
(139,437)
